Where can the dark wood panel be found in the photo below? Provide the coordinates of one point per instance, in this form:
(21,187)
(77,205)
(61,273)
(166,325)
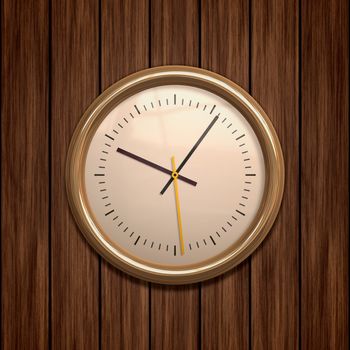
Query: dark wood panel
(174,32)
(25,174)
(225,50)
(275,265)
(125,300)
(174,310)
(324,182)
(74,85)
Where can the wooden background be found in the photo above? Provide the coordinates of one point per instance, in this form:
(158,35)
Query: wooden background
(57,56)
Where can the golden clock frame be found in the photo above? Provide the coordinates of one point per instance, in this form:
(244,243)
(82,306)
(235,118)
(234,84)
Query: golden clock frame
(177,75)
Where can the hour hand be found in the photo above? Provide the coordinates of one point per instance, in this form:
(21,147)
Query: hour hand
(154,165)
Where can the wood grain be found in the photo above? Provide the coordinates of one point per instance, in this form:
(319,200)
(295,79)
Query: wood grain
(25,174)
(275,265)
(174,32)
(324,182)
(74,85)
(56,58)
(225,50)
(175,320)
(125,300)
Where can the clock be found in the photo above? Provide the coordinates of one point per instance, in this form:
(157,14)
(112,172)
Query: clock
(175,174)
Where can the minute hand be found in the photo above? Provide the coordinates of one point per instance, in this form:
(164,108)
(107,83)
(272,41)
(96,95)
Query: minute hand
(190,153)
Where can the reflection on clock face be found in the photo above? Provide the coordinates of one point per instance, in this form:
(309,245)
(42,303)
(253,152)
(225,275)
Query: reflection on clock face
(174,175)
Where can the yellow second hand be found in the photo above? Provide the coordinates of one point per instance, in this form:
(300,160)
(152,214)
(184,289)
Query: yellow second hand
(177,200)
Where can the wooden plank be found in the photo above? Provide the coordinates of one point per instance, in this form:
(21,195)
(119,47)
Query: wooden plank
(275,265)
(324,182)
(125,300)
(25,174)
(225,50)
(75,83)
(174,32)
(174,310)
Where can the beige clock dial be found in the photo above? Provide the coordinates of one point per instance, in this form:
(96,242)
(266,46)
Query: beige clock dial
(175,174)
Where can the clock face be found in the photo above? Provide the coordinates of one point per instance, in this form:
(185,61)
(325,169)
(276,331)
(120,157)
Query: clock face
(209,213)
(175,174)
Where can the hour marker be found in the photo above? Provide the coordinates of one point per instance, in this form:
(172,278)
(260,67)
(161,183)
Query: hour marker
(239,137)
(239,212)
(99,174)
(212,239)
(110,212)
(174,250)
(137,240)
(212,110)
(137,110)
(167,247)
(174,99)
(250,174)
(110,137)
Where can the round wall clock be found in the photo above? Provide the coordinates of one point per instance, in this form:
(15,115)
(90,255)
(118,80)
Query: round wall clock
(175,174)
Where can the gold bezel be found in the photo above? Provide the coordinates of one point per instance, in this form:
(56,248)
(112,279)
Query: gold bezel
(179,75)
